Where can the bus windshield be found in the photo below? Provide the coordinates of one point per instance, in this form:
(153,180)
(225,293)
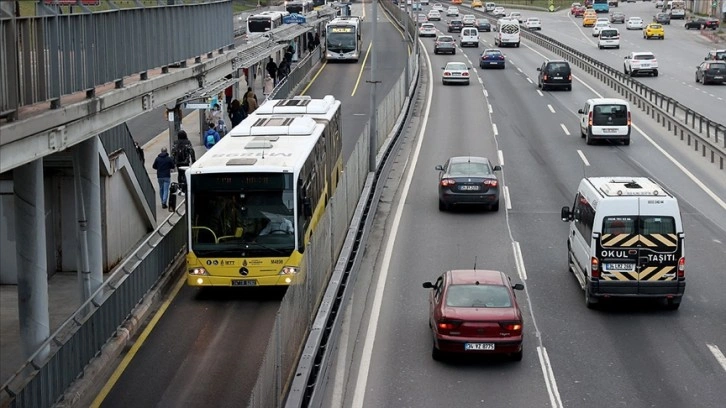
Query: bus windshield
(258,25)
(242,214)
(338,40)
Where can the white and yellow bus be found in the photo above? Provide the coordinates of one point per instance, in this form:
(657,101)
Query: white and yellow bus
(343,39)
(255,198)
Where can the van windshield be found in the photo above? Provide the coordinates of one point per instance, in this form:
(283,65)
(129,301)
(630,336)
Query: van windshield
(610,115)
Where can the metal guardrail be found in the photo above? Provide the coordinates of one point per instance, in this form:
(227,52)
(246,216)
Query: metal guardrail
(62,357)
(705,135)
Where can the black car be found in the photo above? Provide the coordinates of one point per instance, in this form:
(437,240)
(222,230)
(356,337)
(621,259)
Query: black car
(662,18)
(482,25)
(711,72)
(555,74)
(468,180)
(701,23)
(455,26)
(617,17)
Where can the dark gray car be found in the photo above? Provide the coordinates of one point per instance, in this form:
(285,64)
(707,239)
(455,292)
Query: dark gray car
(445,44)
(468,180)
(617,17)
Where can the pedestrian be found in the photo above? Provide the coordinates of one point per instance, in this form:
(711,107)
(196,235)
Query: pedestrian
(282,71)
(317,39)
(268,86)
(310,41)
(140,152)
(288,54)
(228,95)
(211,136)
(250,101)
(236,113)
(184,156)
(215,114)
(272,70)
(163,165)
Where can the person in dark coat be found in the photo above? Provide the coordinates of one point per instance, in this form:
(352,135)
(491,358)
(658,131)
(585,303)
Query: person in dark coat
(163,165)
(236,113)
(184,156)
(283,70)
(272,70)
(317,39)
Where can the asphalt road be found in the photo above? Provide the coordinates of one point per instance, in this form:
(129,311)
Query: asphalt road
(208,346)
(678,54)
(633,354)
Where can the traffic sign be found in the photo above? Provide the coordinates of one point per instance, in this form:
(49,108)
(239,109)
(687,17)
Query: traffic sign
(196,106)
(294,18)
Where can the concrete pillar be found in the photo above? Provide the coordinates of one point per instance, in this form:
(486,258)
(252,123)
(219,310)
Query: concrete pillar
(31,256)
(88,205)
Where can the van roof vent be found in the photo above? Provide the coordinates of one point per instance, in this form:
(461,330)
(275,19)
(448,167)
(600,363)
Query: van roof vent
(631,187)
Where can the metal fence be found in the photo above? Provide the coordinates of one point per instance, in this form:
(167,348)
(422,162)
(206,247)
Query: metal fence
(302,299)
(42,380)
(45,57)
(119,139)
(706,136)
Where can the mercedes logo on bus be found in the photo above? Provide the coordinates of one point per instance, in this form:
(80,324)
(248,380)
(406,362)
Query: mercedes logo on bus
(243,271)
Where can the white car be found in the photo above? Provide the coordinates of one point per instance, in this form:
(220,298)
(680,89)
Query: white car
(454,11)
(533,23)
(438,7)
(599,26)
(634,23)
(455,73)
(499,12)
(469,20)
(640,62)
(659,4)
(516,15)
(424,2)
(434,15)
(427,30)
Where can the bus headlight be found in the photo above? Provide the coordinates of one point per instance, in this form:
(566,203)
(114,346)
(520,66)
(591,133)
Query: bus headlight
(199,271)
(289,270)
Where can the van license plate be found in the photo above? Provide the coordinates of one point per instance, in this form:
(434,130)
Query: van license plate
(609,130)
(629,267)
(556,77)
(478,346)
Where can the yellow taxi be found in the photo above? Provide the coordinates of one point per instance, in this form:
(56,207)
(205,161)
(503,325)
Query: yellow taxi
(457,2)
(589,18)
(475,3)
(653,30)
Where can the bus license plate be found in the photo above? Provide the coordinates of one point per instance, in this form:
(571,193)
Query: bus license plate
(242,282)
(478,346)
(628,267)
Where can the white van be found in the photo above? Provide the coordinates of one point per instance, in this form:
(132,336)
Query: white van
(626,240)
(469,36)
(609,37)
(605,119)
(489,7)
(507,33)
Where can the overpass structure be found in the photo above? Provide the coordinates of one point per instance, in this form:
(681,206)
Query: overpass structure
(74,195)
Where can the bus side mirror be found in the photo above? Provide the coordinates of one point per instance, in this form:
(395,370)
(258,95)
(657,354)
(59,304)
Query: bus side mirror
(565,214)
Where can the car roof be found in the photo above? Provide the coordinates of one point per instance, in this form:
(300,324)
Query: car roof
(471,276)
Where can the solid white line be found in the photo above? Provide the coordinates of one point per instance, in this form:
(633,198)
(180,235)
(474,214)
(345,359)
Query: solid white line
(507,198)
(370,336)
(549,376)
(339,382)
(519,261)
(564,129)
(582,156)
(489,106)
(539,92)
(718,354)
(551,108)
(500,155)
(494,128)
(673,160)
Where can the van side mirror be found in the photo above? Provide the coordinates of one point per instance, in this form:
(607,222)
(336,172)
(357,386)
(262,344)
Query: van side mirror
(518,286)
(565,214)
(497,168)
(581,112)
(539,69)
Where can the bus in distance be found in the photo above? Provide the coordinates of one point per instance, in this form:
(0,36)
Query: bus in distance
(601,6)
(299,7)
(259,24)
(343,39)
(255,198)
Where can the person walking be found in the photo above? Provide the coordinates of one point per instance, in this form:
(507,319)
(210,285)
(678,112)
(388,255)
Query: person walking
(317,39)
(163,165)
(272,70)
(250,101)
(236,113)
(310,42)
(184,156)
(211,136)
(283,70)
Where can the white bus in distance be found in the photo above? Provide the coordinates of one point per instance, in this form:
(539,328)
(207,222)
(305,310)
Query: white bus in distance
(343,39)
(299,7)
(259,24)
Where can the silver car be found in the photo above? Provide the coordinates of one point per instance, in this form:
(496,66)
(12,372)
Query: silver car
(445,44)
(455,73)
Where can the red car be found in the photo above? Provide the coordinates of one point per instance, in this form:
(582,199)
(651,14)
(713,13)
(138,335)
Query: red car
(475,312)
(574,6)
(579,11)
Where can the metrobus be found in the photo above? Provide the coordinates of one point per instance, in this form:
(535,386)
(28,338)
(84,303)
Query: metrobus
(299,7)
(255,198)
(343,39)
(676,8)
(258,24)
(318,3)
(601,6)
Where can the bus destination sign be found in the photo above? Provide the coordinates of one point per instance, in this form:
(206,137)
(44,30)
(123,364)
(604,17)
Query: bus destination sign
(341,29)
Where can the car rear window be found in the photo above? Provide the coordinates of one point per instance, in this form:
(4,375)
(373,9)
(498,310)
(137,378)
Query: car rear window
(558,67)
(468,168)
(656,26)
(644,57)
(446,39)
(610,115)
(721,55)
(717,67)
(608,33)
(478,296)
(456,66)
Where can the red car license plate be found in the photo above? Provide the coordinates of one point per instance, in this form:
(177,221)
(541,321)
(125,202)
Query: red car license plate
(478,346)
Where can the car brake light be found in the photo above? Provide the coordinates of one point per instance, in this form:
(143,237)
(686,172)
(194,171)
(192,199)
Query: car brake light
(447,326)
(464,74)
(589,119)
(595,267)
(512,327)
(501,57)
(447,73)
(682,268)
(491,183)
(569,77)
(629,120)
(448,182)
(544,77)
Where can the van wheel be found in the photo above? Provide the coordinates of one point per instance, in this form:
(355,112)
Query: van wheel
(477,44)
(588,139)
(590,302)
(673,304)
(626,142)
(569,87)
(516,45)
(582,134)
